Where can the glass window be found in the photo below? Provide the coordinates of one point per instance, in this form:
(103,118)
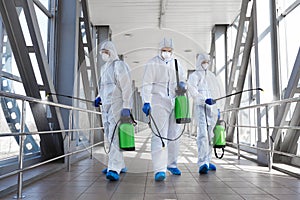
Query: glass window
(10,109)
(263,16)
(43,21)
(45,3)
(24,27)
(289,44)
(288,47)
(36,69)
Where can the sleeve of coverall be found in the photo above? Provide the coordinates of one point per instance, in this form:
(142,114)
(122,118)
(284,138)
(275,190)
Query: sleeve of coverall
(147,82)
(124,81)
(99,86)
(192,86)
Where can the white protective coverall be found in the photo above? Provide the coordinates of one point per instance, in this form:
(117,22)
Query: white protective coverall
(159,84)
(115,92)
(202,84)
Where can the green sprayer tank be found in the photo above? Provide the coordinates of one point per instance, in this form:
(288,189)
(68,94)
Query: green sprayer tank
(219,140)
(182,113)
(126,134)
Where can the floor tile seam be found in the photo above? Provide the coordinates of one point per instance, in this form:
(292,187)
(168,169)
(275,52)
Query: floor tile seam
(145,188)
(196,179)
(251,184)
(254,194)
(273,195)
(176,194)
(240,195)
(173,186)
(242,178)
(264,175)
(116,188)
(86,189)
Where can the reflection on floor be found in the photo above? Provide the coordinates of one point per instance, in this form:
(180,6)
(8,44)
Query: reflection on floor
(234,179)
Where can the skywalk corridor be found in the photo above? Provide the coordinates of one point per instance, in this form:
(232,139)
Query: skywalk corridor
(70,69)
(234,179)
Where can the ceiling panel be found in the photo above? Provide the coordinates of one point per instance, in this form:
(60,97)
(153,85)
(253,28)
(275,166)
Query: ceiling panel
(188,22)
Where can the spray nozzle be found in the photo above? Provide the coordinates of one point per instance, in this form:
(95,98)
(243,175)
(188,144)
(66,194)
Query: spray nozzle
(180,91)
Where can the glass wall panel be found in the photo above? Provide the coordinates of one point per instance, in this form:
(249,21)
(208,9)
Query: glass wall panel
(10,109)
(43,22)
(289,44)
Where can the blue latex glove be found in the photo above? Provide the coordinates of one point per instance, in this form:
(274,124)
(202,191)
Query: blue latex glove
(125,112)
(210,101)
(97,102)
(182,85)
(146,108)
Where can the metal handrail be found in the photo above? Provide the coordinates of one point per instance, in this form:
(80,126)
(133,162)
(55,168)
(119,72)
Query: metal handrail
(267,150)
(273,103)
(22,135)
(271,127)
(270,149)
(34,100)
(48,161)
(47,132)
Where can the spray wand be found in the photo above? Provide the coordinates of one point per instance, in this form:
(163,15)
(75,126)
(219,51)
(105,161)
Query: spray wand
(238,93)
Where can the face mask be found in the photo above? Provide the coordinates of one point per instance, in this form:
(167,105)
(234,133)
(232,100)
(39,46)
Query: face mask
(105,57)
(166,55)
(205,66)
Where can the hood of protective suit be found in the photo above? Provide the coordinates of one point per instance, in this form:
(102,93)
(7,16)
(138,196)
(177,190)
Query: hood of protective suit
(108,45)
(166,43)
(201,57)
(163,44)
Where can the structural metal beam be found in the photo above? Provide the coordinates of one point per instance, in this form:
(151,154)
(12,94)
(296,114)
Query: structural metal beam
(50,144)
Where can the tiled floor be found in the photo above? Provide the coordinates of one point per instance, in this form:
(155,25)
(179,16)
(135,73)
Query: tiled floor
(233,180)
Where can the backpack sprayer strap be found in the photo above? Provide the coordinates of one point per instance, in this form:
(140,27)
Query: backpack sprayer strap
(215,150)
(177,76)
(179,91)
(133,121)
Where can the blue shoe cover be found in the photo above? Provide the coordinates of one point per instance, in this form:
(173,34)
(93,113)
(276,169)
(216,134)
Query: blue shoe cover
(212,167)
(112,176)
(104,171)
(123,170)
(203,169)
(160,176)
(174,171)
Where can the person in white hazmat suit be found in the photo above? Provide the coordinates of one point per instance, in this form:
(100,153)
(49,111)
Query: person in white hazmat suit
(203,87)
(158,93)
(115,96)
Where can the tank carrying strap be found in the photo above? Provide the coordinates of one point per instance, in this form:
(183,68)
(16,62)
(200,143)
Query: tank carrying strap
(216,154)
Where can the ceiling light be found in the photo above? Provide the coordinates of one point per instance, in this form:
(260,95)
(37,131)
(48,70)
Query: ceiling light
(188,50)
(128,35)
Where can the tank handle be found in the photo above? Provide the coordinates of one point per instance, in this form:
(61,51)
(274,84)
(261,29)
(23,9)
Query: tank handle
(220,157)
